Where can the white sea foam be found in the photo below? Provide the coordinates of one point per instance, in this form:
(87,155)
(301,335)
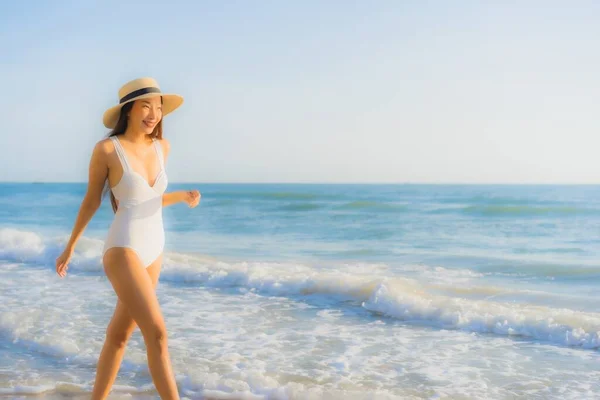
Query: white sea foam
(410,301)
(440,297)
(264,343)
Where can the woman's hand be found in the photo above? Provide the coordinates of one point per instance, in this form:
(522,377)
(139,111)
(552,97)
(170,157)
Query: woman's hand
(62,262)
(192,198)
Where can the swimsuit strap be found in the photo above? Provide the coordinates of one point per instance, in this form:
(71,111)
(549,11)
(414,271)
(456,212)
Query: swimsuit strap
(159,152)
(121,153)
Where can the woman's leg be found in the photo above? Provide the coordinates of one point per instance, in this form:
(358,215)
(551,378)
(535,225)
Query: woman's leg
(133,286)
(119,331)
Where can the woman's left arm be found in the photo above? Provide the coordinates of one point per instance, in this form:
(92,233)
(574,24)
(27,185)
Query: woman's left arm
(171,198)
(191,197)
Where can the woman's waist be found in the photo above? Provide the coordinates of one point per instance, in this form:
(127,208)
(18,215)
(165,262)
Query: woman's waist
(148,209)
(136,219)
(135,230)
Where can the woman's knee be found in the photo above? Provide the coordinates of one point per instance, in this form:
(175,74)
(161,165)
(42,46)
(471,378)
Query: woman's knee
(118,337)
(156,335)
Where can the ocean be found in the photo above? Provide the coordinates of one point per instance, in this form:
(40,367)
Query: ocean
(319,291)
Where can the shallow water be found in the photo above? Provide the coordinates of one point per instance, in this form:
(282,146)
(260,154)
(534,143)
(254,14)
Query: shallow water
(320,291)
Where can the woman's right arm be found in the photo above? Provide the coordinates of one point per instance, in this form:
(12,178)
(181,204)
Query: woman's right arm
(98,172)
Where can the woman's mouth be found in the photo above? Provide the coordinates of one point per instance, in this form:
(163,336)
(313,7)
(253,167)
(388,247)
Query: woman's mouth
(148,125)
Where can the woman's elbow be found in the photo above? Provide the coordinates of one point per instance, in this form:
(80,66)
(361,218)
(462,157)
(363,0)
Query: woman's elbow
(92,202)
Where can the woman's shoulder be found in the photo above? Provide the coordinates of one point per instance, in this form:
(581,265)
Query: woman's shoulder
(104,145)
(103,148)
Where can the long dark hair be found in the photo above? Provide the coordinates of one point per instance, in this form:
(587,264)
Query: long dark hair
(120,129)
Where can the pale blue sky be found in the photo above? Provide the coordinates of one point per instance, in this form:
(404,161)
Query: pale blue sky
(312,91)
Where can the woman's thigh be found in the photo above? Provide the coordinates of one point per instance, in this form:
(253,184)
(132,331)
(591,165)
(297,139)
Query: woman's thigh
(122,325)
(134,285)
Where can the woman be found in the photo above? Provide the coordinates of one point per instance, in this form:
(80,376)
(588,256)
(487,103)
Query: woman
(132,160)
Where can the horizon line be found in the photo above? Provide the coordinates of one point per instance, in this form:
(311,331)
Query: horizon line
(338,183)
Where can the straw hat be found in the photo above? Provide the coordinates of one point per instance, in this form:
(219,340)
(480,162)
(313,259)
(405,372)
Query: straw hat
(136,89)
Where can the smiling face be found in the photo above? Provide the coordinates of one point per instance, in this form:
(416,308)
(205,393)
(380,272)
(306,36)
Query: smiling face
(146,114)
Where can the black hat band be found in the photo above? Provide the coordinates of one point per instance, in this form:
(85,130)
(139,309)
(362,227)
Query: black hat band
(139,92)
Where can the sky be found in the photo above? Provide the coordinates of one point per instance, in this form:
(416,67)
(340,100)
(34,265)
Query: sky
(311,91)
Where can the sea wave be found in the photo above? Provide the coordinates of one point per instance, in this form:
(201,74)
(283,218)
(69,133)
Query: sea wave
(374,287)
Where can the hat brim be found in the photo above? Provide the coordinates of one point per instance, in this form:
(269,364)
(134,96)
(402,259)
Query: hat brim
(170,102)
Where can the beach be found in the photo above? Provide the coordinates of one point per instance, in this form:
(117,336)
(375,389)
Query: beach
(317,291)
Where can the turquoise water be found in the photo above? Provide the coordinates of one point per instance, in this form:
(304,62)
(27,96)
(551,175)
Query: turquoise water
(321,291)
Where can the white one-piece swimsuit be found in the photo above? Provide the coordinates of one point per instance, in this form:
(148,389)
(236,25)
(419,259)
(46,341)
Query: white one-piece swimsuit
(138,222)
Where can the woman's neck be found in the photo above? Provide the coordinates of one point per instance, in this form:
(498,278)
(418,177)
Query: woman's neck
(136,136)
